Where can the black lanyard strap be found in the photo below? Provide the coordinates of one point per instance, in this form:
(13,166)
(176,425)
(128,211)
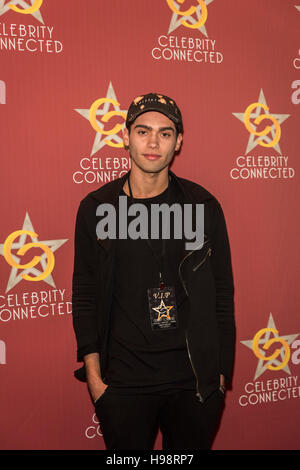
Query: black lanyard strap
(159,258)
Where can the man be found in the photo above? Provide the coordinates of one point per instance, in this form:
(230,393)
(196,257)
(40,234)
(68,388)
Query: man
(154,321)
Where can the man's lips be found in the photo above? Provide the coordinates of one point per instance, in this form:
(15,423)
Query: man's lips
(151,156)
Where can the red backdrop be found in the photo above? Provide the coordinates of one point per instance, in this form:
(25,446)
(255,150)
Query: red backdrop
(57,59)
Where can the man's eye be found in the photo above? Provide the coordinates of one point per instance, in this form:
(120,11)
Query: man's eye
(166,134)
(142,132)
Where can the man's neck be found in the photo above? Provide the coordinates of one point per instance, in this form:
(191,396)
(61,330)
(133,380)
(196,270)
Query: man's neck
(145,185)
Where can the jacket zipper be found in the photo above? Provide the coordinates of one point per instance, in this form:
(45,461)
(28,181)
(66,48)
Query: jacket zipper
(198,394)
(208,253)
(179,271)
(200,264)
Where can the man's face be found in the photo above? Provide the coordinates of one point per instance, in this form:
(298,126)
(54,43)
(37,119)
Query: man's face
(152,141)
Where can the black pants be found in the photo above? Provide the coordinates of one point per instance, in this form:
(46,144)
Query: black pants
(131,422)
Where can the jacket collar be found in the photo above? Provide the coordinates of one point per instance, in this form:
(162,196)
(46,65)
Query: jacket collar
(110,192)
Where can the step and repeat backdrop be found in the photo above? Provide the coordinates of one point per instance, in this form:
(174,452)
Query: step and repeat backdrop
(68,73)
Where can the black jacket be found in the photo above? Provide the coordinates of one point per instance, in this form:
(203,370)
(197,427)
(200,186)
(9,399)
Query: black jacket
(206,275)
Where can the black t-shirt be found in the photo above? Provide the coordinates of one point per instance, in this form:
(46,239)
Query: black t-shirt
(143,360)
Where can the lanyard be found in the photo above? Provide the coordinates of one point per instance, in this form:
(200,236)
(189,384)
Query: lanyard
(159,258)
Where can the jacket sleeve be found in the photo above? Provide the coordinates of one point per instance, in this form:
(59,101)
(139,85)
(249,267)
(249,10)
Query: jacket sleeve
(222,269)
(84,284)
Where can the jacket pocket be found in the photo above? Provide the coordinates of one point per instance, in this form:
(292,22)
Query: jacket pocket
(99,399)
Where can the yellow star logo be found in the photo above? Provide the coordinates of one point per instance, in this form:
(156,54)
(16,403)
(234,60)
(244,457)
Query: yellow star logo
(163,310)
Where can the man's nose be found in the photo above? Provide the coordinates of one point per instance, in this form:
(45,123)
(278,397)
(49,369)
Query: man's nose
(153,140)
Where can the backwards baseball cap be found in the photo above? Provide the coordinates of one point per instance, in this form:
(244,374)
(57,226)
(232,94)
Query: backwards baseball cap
(155,102)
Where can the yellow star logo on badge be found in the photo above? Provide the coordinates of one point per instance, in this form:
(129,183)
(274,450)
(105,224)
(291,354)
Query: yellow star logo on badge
(163,310)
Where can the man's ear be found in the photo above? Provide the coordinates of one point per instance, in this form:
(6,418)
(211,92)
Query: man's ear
(178,142)
(126,138)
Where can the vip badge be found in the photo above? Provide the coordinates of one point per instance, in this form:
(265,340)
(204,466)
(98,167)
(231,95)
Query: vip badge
(162,308)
